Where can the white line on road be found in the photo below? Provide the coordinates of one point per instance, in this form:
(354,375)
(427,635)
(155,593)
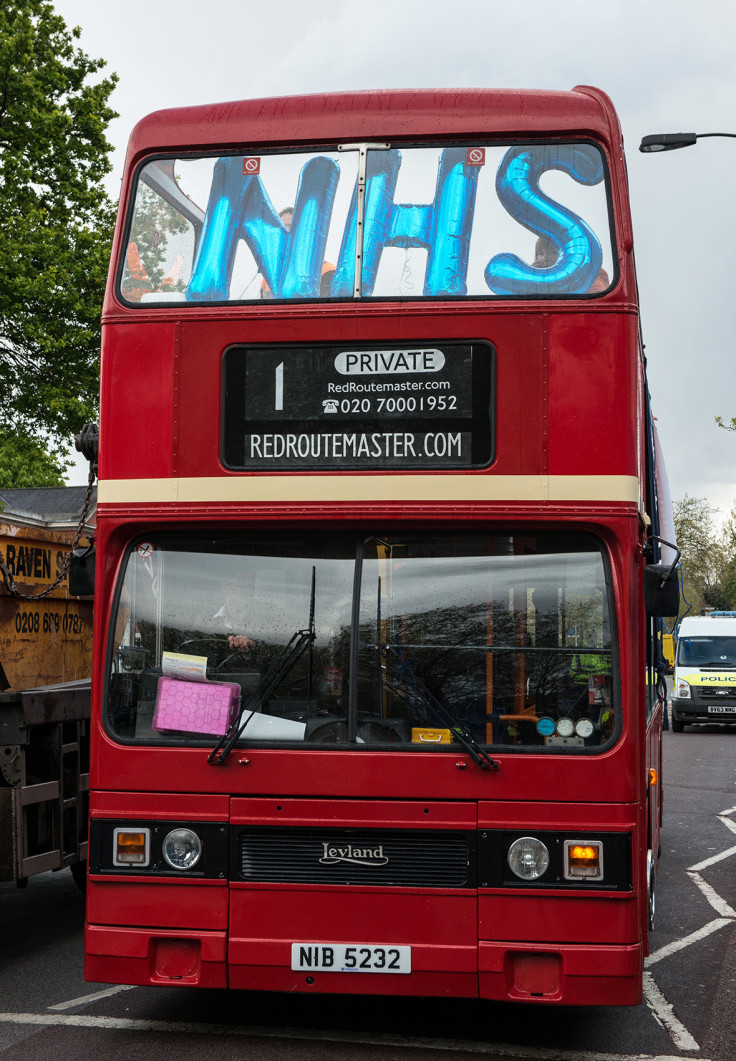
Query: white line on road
(664,1013)
(531,1053)
(84,1000)
(719,905)
(680,944)
(715,858)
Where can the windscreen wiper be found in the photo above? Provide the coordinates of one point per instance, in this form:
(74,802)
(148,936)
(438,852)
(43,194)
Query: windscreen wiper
(284,662)
(408,681)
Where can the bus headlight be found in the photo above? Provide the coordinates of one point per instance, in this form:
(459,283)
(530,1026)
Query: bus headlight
(683,689)
(182,848)
(528,858)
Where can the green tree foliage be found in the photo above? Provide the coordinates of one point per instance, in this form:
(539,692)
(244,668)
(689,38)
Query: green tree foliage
(708,555)
(55,231)
(23,462)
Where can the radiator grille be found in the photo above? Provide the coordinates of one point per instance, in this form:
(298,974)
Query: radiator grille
(430,860)
(703,694)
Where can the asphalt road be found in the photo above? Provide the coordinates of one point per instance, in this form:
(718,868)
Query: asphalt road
(47,1011)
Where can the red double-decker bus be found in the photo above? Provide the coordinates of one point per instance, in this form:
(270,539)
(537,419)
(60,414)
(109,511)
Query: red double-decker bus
(374,693)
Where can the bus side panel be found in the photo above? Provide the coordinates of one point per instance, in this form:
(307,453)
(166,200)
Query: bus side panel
(592,395)
(137,441)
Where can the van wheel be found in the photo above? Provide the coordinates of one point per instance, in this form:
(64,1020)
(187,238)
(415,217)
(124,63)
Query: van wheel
(677,726)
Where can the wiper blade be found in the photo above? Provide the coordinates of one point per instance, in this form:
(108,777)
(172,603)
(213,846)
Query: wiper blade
(413,684)
(268,685)
(463,736)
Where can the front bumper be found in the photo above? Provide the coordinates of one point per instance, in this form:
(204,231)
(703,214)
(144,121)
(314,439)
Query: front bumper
(704,709)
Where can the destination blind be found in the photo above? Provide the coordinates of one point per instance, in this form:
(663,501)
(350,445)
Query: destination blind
(428,405)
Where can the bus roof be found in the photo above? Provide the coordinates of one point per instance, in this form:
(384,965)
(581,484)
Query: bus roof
(355,116)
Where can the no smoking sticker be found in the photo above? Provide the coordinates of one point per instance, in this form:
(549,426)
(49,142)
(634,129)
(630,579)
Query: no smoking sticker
(476,156)
(251,165)
(145,550)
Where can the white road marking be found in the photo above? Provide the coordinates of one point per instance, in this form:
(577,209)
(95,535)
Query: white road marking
(686,941)
(719,905)
(663,1013)
(84,1000)
(716,858)
(530,1053)
(658,1004)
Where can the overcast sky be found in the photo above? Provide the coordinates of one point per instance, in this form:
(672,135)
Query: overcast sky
(668,65)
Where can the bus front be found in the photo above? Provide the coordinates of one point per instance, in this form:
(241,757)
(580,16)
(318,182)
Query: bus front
(370,698)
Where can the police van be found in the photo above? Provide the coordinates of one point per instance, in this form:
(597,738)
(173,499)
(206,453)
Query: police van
(704,685)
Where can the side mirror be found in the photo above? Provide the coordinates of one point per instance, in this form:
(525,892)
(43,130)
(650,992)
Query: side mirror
(661,590)
(82,572)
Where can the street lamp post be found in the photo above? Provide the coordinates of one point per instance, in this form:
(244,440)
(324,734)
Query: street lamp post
(671,141)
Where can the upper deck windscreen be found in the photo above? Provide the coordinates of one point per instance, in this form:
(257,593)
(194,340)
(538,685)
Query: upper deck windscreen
(457,221)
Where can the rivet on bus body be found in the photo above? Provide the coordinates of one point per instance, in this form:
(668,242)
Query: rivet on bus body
(244,762)
(461,766)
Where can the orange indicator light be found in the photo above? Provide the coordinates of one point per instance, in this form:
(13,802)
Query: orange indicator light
(583,855)
(583,860)
(131,847)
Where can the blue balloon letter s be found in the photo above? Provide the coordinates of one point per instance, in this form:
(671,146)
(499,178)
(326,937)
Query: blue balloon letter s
(577,247)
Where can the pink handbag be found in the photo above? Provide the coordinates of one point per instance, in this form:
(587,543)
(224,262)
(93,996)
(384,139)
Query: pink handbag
(195,707)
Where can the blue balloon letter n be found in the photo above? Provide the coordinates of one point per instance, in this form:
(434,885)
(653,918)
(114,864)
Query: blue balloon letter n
(290,261)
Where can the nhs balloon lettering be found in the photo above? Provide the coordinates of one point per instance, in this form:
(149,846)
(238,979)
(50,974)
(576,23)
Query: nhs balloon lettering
(239,208)
(442,227)
(578,250)
(291,260)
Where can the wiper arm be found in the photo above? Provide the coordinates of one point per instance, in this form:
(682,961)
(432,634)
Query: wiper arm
(268,684)
(463,736)
(414,685)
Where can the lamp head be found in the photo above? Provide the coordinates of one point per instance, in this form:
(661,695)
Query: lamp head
(666,141)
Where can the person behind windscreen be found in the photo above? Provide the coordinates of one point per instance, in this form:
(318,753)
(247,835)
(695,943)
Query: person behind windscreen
(237,611)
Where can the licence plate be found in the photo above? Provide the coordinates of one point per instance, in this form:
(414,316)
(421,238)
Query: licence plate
(350,958)
(722,710)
